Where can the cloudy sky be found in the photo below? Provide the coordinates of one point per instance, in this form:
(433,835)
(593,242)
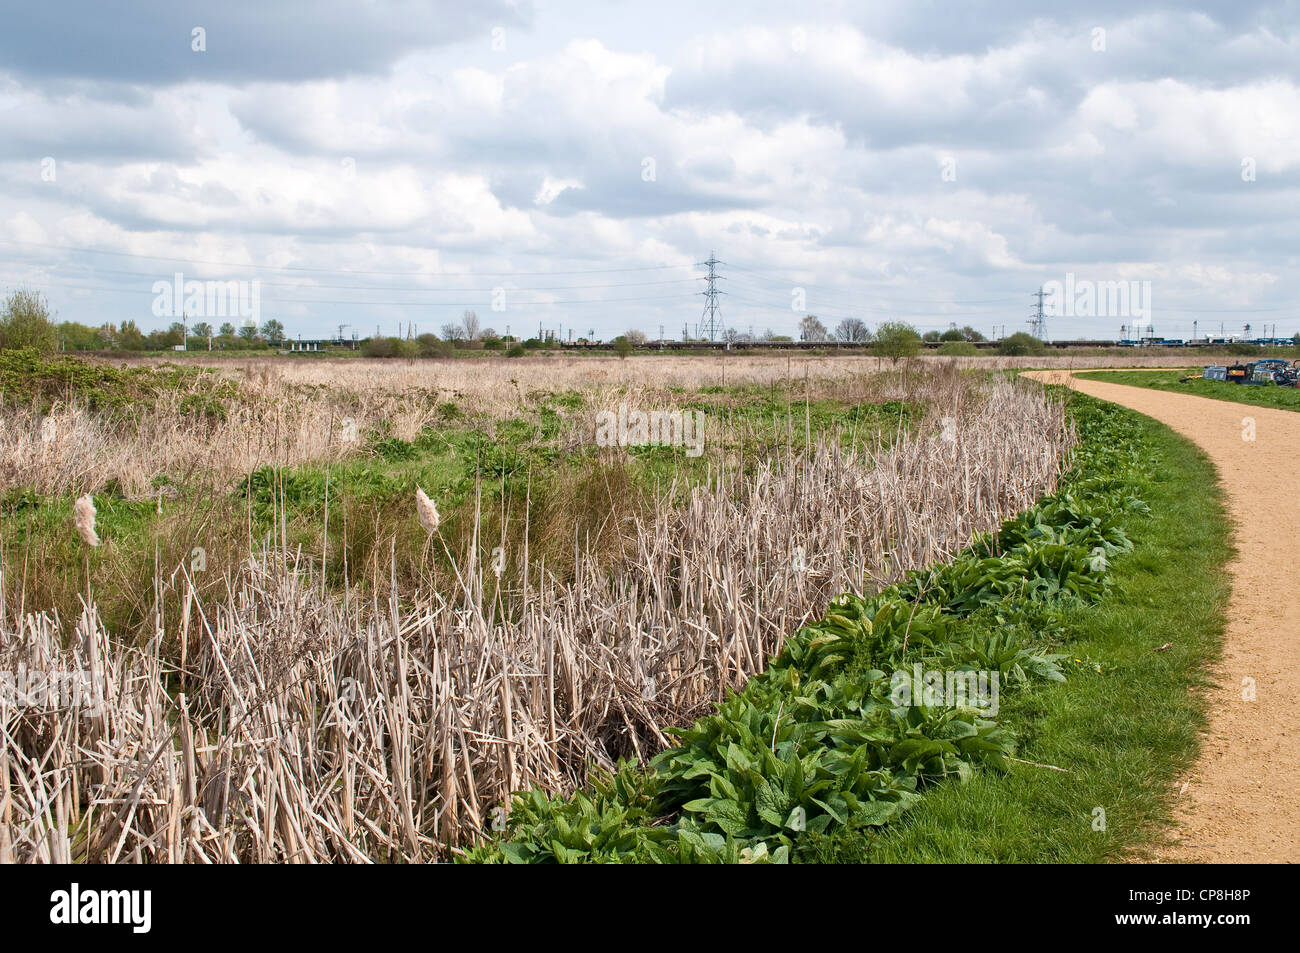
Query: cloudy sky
(568,164)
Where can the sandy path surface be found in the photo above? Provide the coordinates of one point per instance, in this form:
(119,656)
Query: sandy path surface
(1242,801)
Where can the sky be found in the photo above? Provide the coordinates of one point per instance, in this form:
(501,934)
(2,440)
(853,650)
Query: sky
(388,165)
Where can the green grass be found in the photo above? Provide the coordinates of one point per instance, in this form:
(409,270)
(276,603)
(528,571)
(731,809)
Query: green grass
(1123,733)
(1267,395)
(526,463)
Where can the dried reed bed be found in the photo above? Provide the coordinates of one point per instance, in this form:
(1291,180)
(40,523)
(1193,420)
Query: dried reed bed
(73,449)
(298,411)
(298,727)
(493,383)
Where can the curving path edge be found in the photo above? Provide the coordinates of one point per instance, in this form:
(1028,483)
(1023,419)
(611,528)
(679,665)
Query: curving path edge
(1241,803)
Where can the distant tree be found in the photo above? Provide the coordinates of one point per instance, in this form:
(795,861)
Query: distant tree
(930,337)
(430,345)
(201,330)
(637,338)
(896,340)
(1020,344)
(73,336)
(970,334)
(952,334)
(622,346)
(469,321)
(379,347)
(129,337)
(958,349)
(227,330)
(811,329)
(452,332)
(248,332)
(852,331)
(273,331)
(25,322)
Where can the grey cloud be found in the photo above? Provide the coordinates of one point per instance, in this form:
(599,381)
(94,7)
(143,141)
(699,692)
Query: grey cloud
(149,41)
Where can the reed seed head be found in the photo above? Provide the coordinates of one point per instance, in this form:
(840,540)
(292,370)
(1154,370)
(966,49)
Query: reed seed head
(427,512)
(83,516)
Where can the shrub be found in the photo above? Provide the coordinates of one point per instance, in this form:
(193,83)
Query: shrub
(1020,344)
(895,340)
(953,348)
(379,347)
(25,323)
(516,350)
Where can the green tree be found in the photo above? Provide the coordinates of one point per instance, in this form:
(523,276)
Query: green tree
(273,331)
(896,340)
(129,337)
(202,330)
(73,336)
(952,334)
(1020,344)
(622,346)
(25,322)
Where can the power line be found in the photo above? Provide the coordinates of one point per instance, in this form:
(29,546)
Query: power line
(335,271)
(404,304)
(444,290)
(790,282)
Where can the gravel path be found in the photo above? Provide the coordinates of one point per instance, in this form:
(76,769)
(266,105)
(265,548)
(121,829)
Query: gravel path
(1241,802)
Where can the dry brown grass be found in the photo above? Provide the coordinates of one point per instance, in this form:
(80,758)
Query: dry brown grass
(287,724)
(296,411)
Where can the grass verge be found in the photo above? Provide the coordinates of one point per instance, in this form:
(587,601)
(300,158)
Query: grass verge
(819,760)
(1123,725)
(1269,395)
